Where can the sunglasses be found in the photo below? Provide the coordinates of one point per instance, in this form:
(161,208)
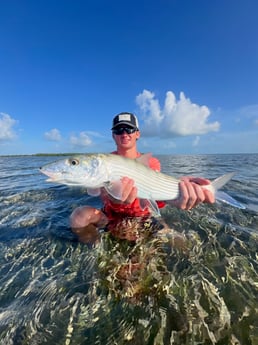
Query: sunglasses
(121,130)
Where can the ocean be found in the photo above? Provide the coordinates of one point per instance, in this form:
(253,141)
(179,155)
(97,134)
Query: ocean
(56,290)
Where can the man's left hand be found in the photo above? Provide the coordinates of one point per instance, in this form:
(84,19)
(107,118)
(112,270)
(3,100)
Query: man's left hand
(192,193)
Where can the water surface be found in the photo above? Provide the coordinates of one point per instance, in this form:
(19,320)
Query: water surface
(55,290)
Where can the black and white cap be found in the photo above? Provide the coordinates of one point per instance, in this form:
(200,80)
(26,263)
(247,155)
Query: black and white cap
(127,119)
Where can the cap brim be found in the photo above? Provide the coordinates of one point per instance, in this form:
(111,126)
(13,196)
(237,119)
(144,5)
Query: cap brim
(124,123)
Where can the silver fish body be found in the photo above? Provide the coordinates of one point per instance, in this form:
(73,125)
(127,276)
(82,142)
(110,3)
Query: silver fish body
(100,170)
(106,170)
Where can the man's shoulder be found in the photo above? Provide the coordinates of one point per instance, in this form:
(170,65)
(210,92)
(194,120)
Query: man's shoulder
(154,163)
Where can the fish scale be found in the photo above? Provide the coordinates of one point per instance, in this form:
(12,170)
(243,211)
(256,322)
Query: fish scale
(150,184)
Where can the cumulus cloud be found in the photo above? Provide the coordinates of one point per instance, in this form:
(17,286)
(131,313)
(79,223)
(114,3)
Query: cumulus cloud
(196,141)
(82,140)
(53,135)
(6,127)
(177,118)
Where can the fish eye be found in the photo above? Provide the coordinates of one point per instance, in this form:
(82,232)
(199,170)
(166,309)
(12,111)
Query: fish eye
(73,161)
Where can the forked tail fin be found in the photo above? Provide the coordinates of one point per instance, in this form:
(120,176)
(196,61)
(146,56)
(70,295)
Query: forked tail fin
(222,196)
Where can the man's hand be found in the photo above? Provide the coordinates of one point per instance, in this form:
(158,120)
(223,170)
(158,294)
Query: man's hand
(192,193)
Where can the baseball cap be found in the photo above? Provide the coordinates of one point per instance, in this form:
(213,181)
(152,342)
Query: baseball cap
(125,118)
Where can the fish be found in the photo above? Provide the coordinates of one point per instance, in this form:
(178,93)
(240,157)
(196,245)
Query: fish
(96,171)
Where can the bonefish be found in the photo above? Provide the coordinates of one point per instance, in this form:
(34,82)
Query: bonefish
(96,171)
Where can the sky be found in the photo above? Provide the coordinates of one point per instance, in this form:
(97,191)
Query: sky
(187,68)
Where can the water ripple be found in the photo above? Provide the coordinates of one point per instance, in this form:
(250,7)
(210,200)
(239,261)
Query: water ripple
(200,290)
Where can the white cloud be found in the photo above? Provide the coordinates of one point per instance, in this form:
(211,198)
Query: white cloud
(6,127)
(196,140)
(250,111)
(177,118)
(256,122)
(53,135)
(94,134)
(82,140)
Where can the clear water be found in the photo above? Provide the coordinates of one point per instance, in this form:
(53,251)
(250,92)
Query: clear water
(55,290)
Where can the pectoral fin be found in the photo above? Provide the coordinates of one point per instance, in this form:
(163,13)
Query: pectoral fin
(114,189)
(93,191)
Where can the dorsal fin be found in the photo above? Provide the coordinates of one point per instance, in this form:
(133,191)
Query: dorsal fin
(144,159)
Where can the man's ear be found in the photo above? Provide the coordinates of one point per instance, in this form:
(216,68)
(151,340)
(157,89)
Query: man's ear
(138,134)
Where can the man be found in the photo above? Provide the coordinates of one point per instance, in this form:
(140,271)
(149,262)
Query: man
(117,215)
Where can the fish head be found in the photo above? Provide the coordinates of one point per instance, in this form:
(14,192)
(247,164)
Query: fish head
(78,170)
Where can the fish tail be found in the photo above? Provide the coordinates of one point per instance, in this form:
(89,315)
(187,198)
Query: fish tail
(222,180)
(222,196)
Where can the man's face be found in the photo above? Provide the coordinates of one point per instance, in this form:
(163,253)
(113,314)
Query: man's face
(123,139)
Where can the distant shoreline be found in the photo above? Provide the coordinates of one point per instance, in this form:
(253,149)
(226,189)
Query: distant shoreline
(90,153)
(43,154)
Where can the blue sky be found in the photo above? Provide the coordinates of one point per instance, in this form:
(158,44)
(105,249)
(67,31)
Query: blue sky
(188,69)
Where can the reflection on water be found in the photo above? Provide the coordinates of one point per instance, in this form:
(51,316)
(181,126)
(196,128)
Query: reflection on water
(54,290)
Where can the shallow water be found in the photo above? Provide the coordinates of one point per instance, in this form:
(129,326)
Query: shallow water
(55,290)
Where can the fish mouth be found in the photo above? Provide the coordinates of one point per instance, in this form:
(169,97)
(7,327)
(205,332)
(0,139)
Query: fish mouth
(52,176)
(58,177)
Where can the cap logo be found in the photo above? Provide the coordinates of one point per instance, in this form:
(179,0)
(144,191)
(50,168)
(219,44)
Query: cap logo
(124,117)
